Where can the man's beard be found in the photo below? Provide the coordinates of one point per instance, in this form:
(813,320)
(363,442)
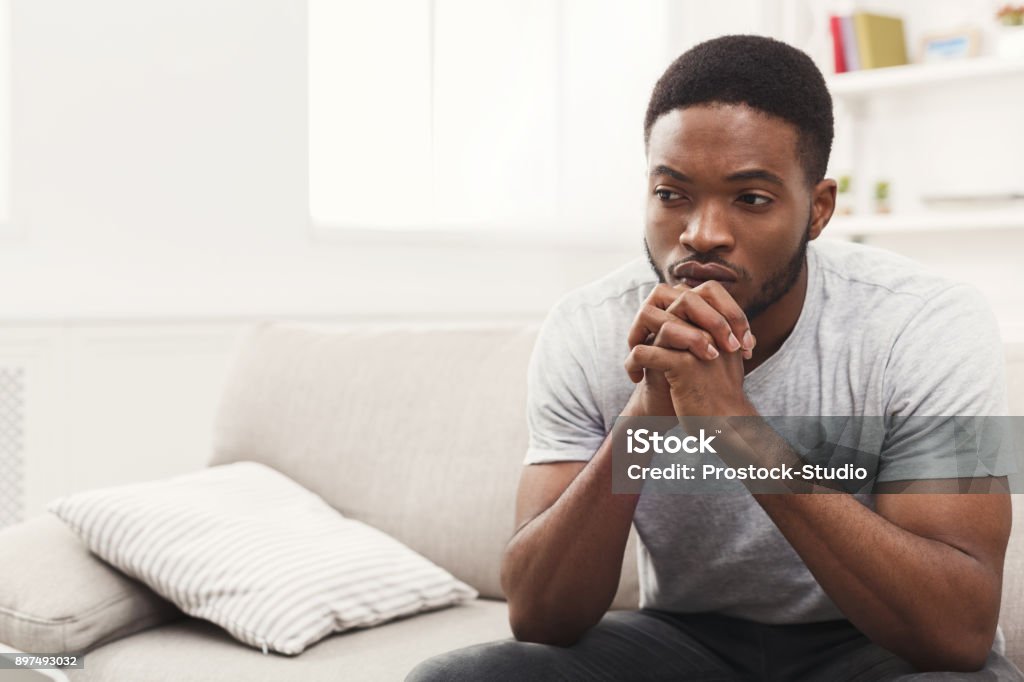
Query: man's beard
(776,286)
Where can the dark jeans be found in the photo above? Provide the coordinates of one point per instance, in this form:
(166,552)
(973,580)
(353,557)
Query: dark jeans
(655,645)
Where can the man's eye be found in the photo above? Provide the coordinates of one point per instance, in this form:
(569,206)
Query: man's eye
(667,194)
(755,199)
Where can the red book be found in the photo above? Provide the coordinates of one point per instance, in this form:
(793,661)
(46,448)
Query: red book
(836,26)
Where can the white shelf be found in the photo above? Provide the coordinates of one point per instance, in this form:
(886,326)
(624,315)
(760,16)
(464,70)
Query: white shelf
(934,221)
(870,81)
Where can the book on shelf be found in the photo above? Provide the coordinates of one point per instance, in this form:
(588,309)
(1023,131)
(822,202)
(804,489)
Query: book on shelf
(835,25)
(880,40)
(867,41)
(850,45)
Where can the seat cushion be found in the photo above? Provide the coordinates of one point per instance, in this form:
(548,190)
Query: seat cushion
(56,596)
(200,652)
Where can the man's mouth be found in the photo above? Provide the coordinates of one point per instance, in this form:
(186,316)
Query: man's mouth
(694,274)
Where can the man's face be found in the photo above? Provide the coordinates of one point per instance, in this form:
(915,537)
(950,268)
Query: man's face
(728,200)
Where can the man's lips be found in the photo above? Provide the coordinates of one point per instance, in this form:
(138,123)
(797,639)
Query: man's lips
(693,274)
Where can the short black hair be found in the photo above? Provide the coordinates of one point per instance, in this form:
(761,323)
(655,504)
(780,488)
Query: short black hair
(762,73)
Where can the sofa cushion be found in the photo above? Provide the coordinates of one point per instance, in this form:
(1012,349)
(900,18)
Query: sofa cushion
(195,651)
(246,548)
(57,597)
(418,431)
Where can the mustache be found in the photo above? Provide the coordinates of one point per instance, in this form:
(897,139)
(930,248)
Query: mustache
(710,259)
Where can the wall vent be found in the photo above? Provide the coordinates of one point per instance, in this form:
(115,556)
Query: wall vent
(12,444)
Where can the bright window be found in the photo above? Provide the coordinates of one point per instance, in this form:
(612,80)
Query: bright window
(480,114)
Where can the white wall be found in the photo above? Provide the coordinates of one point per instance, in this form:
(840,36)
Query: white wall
(103,404)
(160,170)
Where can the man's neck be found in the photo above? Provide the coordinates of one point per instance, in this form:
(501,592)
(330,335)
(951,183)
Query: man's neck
(773,326)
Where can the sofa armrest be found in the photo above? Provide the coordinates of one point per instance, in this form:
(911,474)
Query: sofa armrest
(1011,617)
(57,597)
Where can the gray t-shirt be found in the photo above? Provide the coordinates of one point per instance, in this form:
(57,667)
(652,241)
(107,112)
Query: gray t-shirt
(877,336)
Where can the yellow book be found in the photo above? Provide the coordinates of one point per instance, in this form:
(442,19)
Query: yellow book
(880,40)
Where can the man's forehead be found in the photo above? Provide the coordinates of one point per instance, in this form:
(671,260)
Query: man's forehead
(724,135)
(744,174)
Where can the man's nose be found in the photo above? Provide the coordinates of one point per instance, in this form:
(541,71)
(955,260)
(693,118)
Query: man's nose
(707,229)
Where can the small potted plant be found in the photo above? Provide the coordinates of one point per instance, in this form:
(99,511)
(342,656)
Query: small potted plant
(1010,41)
(844,197)
(882,197)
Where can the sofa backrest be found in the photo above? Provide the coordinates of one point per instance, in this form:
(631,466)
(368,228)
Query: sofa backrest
(418,432)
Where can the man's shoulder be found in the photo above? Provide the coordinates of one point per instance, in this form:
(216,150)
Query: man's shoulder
(617,293)
(896,303)
(891,280)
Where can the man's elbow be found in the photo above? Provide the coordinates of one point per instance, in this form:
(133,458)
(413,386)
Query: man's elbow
(953,662)
(556,632)
(528,632)
(958,650)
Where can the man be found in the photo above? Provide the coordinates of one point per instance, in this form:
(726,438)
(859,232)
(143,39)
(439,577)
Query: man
(741,316)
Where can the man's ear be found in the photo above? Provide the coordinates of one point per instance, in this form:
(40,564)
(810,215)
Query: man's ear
(823,205)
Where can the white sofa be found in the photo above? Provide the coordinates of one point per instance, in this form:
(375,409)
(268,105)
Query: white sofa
(419,432)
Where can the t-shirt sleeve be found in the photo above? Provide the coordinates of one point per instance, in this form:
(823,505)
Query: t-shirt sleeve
(564,421)
(944,384)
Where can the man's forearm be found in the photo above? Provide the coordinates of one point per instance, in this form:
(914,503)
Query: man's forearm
(923,599)
(928,600)
(560,570)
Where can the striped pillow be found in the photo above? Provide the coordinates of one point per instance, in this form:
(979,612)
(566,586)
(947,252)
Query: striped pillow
(247,548)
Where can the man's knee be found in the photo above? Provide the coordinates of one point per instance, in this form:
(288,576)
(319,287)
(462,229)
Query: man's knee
(502,660)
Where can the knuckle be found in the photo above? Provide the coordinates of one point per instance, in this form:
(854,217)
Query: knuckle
(642,320)
(708,288)
(736,314)
(675,327)
(660,291)
(643,353)
(687,298)
(672,322)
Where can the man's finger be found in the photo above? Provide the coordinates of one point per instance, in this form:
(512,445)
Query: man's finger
(648,323)
(693,308)
(660,298)
(728,310)
(651,357)
(678,335)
